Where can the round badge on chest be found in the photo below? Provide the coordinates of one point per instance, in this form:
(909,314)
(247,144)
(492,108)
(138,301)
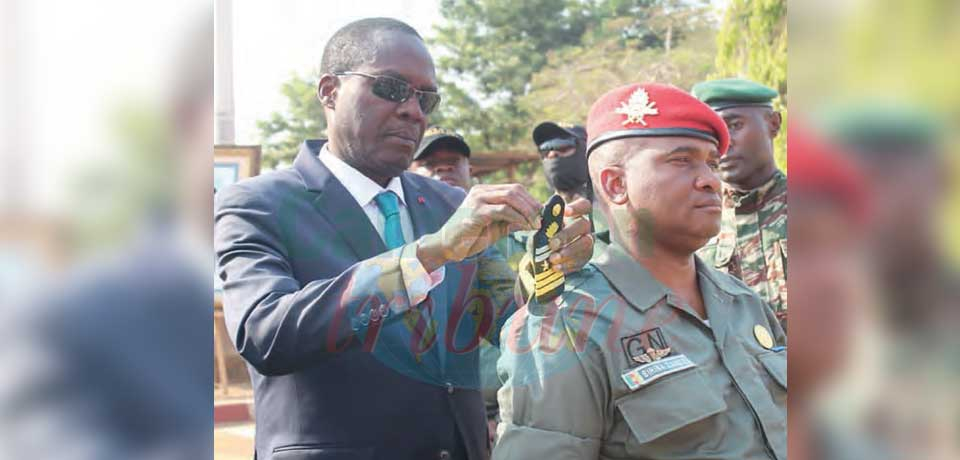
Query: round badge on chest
(763,336)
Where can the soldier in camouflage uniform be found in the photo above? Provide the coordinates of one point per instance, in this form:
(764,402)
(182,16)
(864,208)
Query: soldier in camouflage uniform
(752,243)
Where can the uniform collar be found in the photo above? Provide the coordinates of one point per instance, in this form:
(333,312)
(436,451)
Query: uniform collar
(638,286)
(757,195)
(632,280)
(362,188)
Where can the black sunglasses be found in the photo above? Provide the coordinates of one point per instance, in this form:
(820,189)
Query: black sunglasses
(397,90)
(560,143)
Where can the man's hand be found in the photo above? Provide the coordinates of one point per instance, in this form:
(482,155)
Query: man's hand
(488,213)
(572,247)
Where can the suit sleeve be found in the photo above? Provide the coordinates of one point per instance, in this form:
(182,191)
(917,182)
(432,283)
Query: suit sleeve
(276,323)
(552,398)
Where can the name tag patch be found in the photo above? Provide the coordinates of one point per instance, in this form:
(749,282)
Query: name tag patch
(647,373)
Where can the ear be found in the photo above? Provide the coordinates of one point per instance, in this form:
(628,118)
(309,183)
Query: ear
(327,89)
(613,184)
(774,120)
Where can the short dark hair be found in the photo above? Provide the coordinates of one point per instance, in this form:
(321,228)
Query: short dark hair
(354,43)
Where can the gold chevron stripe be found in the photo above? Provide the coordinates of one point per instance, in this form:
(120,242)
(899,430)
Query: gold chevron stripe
(549,287)
(547,276)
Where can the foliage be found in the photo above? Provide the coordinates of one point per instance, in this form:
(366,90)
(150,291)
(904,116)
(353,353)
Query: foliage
(526,62)
(909,52)
(752,43)
(494,50)
(576,76)
(282,133)
(110,199)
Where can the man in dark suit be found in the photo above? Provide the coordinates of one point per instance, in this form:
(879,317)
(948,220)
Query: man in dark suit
(358,293)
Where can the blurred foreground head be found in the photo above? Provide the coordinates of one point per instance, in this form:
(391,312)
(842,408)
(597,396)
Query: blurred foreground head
(900,148)
(112,359)
(830,208)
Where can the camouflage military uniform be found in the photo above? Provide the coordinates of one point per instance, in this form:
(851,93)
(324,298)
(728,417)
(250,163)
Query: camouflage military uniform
(752,243)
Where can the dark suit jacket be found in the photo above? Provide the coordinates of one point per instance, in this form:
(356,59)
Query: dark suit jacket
(307,281)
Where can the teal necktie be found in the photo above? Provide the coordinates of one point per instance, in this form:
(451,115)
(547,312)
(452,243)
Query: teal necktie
(389,204)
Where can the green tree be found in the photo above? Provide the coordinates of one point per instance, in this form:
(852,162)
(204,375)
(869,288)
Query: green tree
(576,76)
(282,133)
(490,51)
(487,51)
(506,66)
(752,43)
(110,199)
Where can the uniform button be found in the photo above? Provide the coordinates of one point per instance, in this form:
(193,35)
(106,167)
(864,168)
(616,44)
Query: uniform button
(384,311)
(444,455)
(364,319)
(449,391)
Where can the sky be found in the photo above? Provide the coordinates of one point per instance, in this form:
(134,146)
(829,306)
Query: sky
(67,70)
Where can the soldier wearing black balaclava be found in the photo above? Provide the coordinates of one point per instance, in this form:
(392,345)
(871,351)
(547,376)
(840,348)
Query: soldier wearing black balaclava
(563,153)
(562,150)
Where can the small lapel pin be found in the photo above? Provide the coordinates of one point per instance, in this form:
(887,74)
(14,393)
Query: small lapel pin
(421,200)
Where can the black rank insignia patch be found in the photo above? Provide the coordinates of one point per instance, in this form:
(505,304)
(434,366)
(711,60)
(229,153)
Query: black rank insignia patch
(548,283)
(645,347)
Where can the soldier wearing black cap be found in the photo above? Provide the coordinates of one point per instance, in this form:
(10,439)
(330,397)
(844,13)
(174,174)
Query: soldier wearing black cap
(562,148)
(444,156)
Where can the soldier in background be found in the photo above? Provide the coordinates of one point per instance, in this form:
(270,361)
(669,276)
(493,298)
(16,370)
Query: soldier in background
(752,243)
(562,148)
(444,156)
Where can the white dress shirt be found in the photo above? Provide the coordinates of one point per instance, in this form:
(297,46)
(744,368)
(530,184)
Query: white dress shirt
(364,190)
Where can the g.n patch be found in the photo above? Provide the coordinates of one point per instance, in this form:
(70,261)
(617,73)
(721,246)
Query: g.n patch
(645,347)
(653,357)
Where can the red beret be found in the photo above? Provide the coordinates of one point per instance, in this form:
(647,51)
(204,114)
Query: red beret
(652,109)
(823,170)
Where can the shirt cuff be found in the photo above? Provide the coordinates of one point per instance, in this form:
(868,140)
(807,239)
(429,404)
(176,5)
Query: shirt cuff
(416,280)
